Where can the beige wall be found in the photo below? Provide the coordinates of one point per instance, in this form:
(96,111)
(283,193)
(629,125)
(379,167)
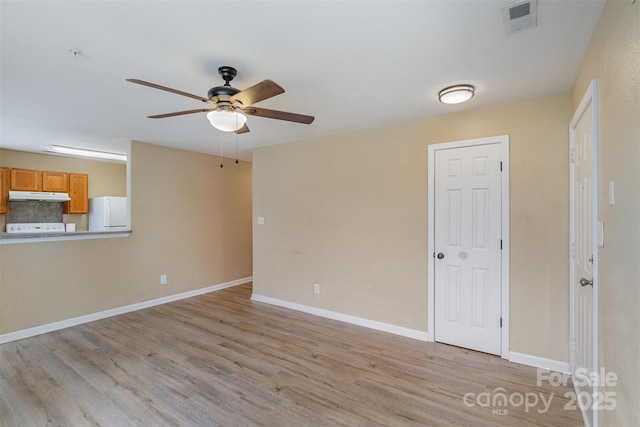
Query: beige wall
(191,220)
(614,59)
(349,212)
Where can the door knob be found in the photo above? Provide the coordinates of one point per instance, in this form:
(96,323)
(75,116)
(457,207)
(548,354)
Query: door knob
(585,282)
(440,255)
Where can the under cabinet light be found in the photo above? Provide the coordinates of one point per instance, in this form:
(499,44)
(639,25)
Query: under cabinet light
(83,152)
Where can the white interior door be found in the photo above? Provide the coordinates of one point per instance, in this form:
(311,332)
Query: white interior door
(467,248)
(584,250)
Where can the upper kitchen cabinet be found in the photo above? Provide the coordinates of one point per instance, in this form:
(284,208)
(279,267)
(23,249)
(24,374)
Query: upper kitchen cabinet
(4,190)
(26,180)
(35,180)
(79,193)
(57,182)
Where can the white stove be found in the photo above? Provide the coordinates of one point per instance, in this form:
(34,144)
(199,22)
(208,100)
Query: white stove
(36,227)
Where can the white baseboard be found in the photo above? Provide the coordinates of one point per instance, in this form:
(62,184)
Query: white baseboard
(380,326)
(539,362)
(50,327)
(525,359)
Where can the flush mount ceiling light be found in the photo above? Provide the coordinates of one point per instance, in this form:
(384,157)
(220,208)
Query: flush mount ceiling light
(82,152)
(456,94)
(226,119)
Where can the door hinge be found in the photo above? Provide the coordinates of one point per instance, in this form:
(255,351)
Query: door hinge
(501,322)
(572,250)
(500,244)
(500,166)
(572,155)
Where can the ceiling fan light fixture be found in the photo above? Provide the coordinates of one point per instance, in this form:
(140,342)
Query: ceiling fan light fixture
(456,94)
(226,120)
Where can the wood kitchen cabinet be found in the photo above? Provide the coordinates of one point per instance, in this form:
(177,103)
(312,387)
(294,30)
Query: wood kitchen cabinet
(79,193)
(4,190)
(57,182)
(76,184)
(26,180)
(35,180)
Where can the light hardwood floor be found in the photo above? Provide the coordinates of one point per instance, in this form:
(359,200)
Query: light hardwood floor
(220,359)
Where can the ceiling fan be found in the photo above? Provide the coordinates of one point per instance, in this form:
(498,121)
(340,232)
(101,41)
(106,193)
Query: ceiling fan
(230,106)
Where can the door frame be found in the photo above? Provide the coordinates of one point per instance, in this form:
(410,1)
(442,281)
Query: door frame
(590,98)
(503,140)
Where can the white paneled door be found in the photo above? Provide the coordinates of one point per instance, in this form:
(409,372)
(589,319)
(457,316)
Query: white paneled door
(468,229)
(584,251)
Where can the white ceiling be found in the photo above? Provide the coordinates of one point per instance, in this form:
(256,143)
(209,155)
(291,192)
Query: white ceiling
(351,64)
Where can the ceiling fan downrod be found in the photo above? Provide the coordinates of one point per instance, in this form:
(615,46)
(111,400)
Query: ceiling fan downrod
(227,73)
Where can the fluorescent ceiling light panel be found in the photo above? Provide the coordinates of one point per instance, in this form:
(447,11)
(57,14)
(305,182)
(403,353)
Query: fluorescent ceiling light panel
(82,152)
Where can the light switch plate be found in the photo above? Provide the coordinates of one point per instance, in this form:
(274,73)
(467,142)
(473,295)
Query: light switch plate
(601,234)
(612,193)
(260,220)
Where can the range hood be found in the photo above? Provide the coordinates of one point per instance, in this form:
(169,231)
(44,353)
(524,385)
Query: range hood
(39,196)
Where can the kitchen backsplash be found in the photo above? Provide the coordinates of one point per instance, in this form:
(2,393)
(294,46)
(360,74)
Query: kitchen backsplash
(34,211)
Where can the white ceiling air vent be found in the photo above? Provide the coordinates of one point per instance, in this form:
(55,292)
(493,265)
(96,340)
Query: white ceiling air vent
(520,15)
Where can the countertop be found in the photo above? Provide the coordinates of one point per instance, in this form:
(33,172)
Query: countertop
(6,238)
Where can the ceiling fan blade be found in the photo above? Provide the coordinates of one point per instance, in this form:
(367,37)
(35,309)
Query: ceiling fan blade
(243,129)
(180,113)
(280,115)
(258,92)
(168,89)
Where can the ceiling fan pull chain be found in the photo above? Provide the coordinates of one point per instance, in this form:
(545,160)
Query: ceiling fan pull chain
(237,141)
(221,165)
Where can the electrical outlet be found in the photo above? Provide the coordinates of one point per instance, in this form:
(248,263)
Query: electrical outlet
(163,279)
(316,288)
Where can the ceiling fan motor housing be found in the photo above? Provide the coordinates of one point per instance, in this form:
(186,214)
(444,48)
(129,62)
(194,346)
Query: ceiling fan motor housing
(222,90)
(227,73)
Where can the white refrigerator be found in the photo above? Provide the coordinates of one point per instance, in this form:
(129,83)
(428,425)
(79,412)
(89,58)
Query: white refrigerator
(108,213)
